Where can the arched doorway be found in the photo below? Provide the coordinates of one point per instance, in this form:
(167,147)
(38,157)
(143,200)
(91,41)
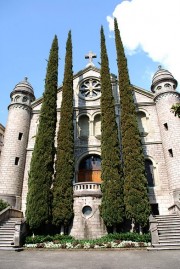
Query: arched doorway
(90,169)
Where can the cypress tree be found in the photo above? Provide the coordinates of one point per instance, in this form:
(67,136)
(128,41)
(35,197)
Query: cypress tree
(38,211)
(63,185)
(135,182)
(112,207)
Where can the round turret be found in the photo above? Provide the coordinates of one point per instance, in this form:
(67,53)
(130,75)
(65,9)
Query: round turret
(165,96)
(15,143)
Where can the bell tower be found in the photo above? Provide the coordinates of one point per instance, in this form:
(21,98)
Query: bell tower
(15,142)
(165,96)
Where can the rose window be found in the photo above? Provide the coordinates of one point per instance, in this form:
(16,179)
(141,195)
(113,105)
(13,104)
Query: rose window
(90,88)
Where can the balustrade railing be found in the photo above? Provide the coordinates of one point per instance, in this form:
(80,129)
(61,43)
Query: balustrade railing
(87,186)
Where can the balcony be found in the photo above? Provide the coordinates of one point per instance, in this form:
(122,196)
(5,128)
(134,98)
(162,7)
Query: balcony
(87,189)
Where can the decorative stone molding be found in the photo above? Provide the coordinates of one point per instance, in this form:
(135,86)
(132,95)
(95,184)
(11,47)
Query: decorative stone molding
(24,106)
(89,89)
(87,189)
(165,94)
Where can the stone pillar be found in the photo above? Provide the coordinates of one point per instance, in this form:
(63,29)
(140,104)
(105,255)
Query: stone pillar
(87,223)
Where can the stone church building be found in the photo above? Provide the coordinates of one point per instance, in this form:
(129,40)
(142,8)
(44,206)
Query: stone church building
(159,130)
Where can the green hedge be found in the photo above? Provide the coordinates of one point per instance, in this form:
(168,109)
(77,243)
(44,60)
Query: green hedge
(135,237)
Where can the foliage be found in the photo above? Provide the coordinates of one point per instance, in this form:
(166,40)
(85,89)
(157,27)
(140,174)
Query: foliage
(3,205)
(47,238)
(176,109)
(38,212)
(62,210)
(116,240)
(136,237)
(112,207)
(135,182)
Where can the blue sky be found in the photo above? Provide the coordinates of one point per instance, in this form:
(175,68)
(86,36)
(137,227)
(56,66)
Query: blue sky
(149,31)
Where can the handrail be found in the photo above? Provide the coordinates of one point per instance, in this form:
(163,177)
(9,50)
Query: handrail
(153,229)
(175,208)
(4,214)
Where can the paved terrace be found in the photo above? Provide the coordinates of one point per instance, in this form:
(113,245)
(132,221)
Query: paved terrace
(96,259)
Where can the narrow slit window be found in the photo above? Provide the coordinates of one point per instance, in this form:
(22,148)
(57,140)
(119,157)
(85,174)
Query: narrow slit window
(170,152)
(166,126)
(20,136)
(16,161)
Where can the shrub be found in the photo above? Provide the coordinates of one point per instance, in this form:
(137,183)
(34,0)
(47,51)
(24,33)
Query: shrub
(136,237)
(48,238)
(3,205)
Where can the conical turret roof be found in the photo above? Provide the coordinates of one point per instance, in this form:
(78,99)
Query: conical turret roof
(25,86)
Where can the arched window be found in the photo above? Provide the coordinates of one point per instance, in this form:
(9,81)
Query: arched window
(149,172)
(90,169)
(97,126)
(142,123)
(83,124)
(16,98)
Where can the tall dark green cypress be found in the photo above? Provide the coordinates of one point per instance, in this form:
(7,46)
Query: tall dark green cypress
(112,207)
(41,169)
(135,182)
(63,185)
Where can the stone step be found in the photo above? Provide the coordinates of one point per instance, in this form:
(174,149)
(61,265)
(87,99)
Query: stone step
(2,229)
(10,248)
(175,228)
(7,231)
(163,248)
(6,242)
(9,221)
(169,221)
(170,235)
(7,226)
(166,216)
(12,219)
(167,245)
(167,241)
(169,232)
(6,245)
(6,236)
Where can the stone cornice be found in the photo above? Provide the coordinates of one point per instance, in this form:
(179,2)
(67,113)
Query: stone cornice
(139,104)
(151,142)
(20,105)
(165,94)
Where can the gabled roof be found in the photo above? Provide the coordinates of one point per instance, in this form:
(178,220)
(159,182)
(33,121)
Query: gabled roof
(94,68)
(143,92)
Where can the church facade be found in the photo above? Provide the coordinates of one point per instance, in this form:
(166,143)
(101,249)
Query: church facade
(159,130)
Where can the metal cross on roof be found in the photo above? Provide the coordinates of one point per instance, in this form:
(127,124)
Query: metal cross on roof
(90,56)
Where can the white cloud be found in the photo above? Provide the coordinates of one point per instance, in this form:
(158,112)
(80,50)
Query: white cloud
(153,26)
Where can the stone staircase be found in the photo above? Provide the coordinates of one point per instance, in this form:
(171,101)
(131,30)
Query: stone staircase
(7,230)
(168,228)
